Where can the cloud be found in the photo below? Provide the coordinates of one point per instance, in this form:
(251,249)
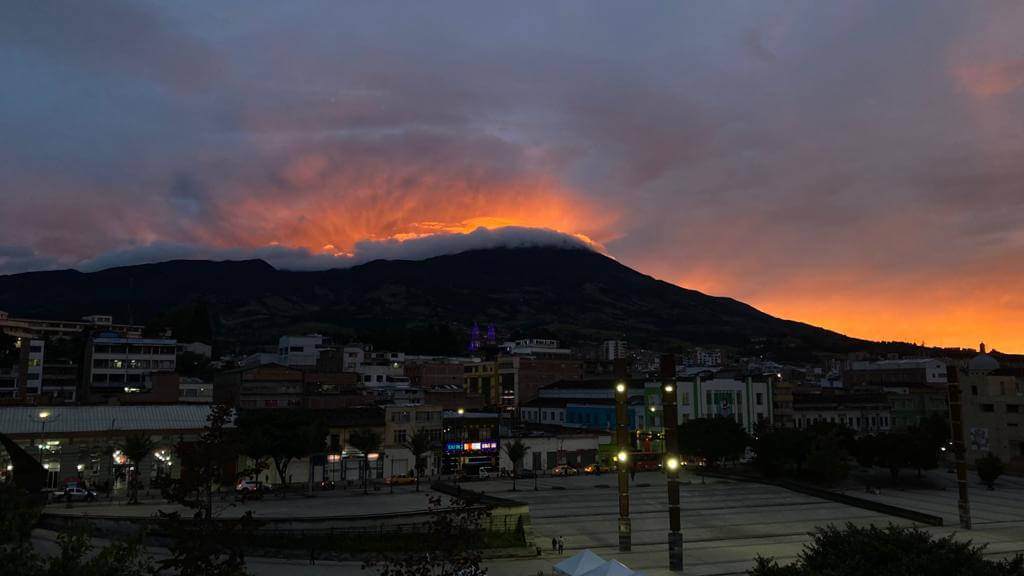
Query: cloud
(787,153)
(298,258)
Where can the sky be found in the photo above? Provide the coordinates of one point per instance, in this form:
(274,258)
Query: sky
(855,165)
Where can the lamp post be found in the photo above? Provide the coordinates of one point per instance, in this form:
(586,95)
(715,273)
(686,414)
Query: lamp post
(669,425)
(956,420)
(622,442)
(42,432)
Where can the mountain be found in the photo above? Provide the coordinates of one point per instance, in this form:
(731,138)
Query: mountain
(428,305)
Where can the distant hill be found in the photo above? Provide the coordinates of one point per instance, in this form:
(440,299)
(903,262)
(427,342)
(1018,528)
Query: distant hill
(428,305)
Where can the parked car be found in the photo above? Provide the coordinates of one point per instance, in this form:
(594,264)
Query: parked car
(485,473)
(563,470)
(596,468)
(72,493)
(401,480)
(250,488)
(327,484)
(526,474)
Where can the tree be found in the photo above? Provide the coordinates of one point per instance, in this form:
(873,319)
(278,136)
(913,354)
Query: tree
(204,545)
(713,439)
(891,551)
(419,444)
(366,441)
(827,459)
(451,546)
(516,451)
(136,448)
(894,452)
(989,467)
(281,435)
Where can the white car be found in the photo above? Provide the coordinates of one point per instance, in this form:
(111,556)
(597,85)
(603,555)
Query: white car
(75,493)
(487,473)
(250,488)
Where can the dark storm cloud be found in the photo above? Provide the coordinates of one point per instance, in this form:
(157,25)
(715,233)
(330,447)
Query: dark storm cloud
(774,151)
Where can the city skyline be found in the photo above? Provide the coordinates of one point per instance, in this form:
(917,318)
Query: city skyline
(850,166)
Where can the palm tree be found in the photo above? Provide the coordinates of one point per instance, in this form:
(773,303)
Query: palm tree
(516,451)
(366,441)
(136,447)
(419,444)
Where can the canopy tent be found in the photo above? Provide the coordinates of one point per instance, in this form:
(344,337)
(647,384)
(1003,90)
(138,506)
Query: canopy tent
(610,568)
(579,564)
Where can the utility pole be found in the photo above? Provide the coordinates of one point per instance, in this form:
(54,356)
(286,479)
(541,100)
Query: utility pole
(956,417)
(622,443)
(669,419)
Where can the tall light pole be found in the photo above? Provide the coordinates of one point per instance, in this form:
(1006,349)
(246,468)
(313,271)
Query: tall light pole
(669,421)
(42,432)
(956,417)
(622,443)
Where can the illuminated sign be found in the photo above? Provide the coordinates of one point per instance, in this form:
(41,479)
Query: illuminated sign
(484,446)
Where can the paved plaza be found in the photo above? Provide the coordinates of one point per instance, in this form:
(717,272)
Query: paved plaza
(725,523)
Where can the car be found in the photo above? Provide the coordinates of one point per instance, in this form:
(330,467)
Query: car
(72,493)
(596,469)
(327,484)
(526,474)
(563,470)
(401,480)
(485,473)
(250,488)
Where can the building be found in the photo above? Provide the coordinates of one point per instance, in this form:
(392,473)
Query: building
(434,373)
(79,442)
(613,350)
(116,365)
(536,347)
(993,411)
(748,401)
(481,378)
(521,377)
(29,328)
(195,390)
(299,351)
(276,386)
(402,422)
(862,412)
(920,371)
(471,441)
(707,357)
(197,348)
(544,451)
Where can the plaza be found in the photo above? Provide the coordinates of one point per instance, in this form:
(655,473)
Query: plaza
(725,523)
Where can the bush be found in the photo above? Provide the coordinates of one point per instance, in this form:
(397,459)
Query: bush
(989,468)
(891,551)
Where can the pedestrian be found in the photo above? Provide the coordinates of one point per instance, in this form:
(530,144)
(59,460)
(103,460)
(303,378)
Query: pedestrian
(561,545)
(539,551)
(554,544)
(312,556)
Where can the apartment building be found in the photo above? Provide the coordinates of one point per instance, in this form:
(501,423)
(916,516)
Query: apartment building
(115,364)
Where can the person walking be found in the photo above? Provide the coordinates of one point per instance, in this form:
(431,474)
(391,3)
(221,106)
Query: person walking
(561,545)
(312,556)
(554,544)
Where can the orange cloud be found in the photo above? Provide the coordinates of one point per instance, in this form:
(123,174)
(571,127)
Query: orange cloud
(989,80)
(329,209)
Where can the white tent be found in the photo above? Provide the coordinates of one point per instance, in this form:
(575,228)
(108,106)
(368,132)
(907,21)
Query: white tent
(579,564)
(610,568)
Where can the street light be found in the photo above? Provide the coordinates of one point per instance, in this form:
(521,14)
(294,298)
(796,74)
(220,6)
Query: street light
(620,387)
(623,456)
(461,411)
(42,431)
(672,463)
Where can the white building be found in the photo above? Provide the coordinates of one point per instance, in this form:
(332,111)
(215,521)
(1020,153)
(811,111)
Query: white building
(116,365)
(197,348)
(536,346)
(613,350)
(34,372)
(546,452)
(747,401)
(707,357)
(299,350)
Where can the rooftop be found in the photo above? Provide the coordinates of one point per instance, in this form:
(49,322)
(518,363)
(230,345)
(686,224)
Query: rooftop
(79,419)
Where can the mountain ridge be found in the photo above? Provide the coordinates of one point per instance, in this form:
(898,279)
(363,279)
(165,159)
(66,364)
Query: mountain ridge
(574,294)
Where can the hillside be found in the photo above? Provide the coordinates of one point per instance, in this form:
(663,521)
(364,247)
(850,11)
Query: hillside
(576,295)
